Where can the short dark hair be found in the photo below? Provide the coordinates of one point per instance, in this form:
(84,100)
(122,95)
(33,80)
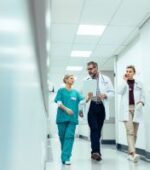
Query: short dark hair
(132,67)
(92,63)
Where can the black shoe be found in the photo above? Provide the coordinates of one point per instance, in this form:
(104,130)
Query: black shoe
(96,156)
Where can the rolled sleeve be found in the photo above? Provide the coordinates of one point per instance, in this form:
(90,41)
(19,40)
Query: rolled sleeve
(58,97)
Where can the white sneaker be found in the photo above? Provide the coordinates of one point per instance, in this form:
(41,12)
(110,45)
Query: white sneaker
(67,163)
(136,158)
(131,158)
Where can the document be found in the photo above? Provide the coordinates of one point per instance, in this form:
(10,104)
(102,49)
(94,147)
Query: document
(89,86)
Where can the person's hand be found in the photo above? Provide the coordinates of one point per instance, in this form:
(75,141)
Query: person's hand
(90,95)
(139,106)
(69,111)
(81,113)
(103,96)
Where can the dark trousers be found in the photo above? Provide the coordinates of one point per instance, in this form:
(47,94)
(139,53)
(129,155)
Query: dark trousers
(96,117)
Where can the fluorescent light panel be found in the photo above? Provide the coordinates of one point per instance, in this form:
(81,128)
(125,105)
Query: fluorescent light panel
(48,46)
(12,25)
(74,68)
(48,19)
(81,53)
(75,77)
(95,30)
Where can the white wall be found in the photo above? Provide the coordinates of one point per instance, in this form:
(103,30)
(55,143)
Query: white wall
(23,121)
(28,126)
(52,115)
(145,43)
(138,54)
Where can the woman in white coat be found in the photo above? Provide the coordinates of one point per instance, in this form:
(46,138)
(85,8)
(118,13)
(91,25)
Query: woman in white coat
(131,108)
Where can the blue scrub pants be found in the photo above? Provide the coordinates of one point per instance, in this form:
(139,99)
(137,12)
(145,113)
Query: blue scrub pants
(66,131)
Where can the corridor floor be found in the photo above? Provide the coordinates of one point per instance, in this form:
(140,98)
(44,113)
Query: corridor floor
(112,159)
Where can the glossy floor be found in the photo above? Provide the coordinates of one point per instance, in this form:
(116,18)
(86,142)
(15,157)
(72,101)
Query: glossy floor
(112,159)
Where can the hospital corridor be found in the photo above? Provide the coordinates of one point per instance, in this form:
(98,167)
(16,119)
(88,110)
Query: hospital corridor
(74,84)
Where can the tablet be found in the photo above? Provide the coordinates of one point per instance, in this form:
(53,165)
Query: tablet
(89,86)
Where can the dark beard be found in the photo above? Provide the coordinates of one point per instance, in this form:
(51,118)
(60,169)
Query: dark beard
(94,76)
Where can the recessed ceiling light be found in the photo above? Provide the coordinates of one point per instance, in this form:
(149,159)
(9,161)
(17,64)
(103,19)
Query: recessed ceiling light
(48,19)
(74,68)
(95,30)
(75,77)
(81,53)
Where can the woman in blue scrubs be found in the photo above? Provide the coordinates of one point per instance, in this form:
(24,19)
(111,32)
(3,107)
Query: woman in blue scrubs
(68,100)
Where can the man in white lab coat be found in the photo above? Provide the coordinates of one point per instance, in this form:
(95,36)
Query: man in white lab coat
(97,107)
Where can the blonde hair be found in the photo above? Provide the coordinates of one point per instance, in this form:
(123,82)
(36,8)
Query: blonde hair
(66,77)
(132,67)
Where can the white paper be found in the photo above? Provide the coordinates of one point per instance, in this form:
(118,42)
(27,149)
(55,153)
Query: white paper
(89,86)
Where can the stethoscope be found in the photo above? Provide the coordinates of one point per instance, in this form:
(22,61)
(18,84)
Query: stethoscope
(102,79)
(100,76)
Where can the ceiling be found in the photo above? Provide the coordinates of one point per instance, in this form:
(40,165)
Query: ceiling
(121,17)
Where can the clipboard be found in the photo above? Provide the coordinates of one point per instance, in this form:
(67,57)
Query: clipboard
(89,86)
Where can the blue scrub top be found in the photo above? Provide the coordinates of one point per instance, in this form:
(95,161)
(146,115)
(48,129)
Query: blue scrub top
(69,98)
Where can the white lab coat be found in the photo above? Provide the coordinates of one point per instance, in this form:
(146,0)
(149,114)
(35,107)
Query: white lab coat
(106,87)
(123,90)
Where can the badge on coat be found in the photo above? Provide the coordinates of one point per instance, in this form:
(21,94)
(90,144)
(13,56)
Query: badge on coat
(73,98)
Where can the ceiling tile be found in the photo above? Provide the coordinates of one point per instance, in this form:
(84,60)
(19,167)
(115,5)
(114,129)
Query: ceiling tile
(66,11)
(63,33)
(60,49)
(57,70)
(105,50)
(87,39)
(99,11)
(84,47)
(77,61)
(61,62)
(115,35)
(131,12)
